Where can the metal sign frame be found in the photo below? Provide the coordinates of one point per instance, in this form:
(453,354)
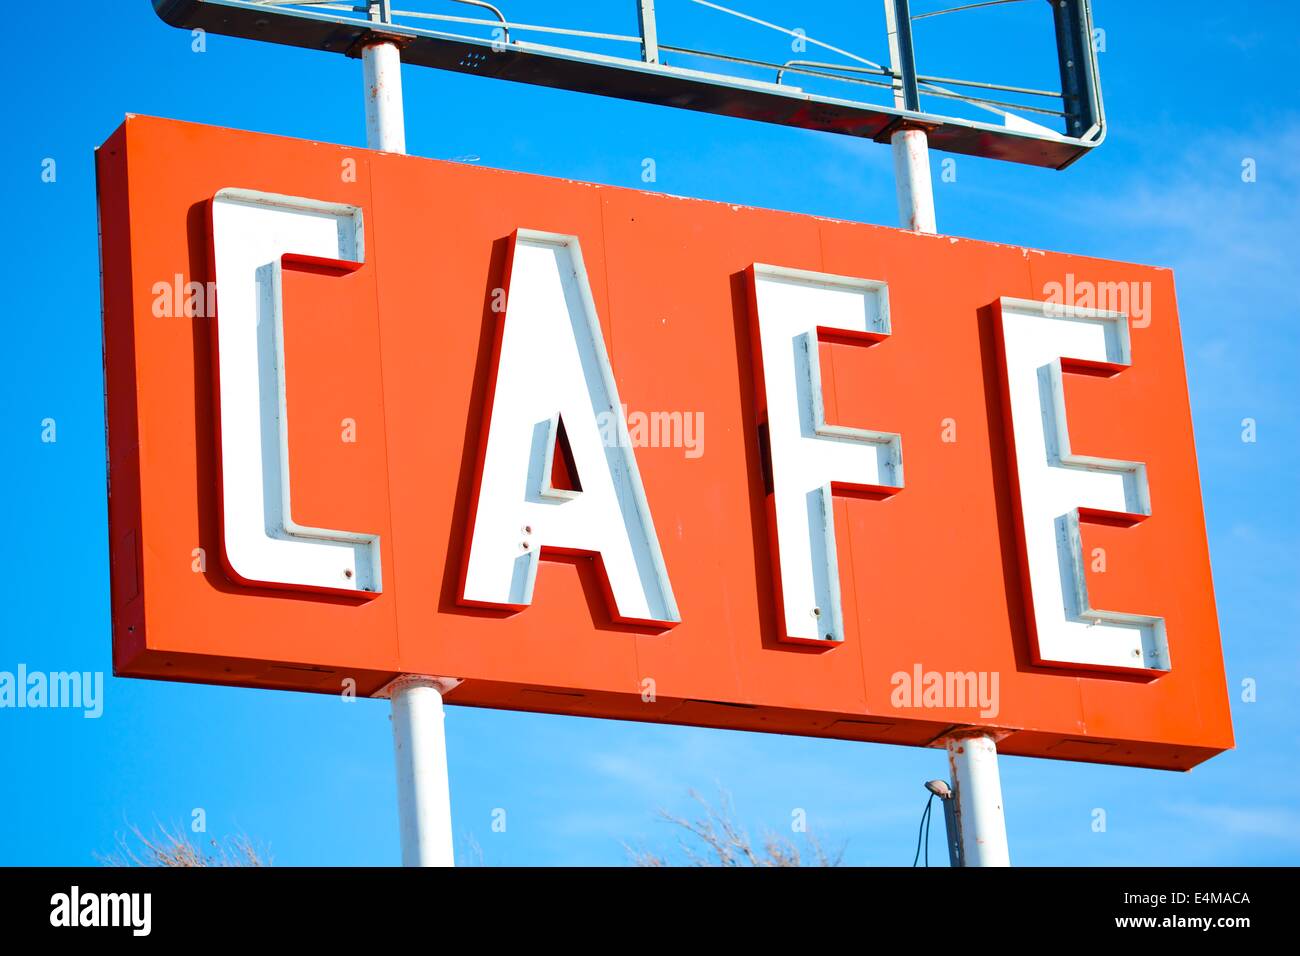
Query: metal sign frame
(648,79)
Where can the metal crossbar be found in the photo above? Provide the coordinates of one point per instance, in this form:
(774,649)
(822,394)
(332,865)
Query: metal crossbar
(458,40)
(779,69)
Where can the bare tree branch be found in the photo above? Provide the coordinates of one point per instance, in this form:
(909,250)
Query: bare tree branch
(717,839)
(173,847)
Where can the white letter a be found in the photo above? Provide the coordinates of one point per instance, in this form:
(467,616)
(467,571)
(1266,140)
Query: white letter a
(553,375)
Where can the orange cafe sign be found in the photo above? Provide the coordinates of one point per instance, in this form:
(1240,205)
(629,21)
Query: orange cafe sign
(602,452)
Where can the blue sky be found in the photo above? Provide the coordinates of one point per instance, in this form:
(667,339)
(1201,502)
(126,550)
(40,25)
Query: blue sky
(1188,98)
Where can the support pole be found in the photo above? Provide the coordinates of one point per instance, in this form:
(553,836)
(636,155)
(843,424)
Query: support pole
(381,65)
(951,833)
(912,174)
(419,734)
(977,830)
(649,32)
(910,143)
(981,826)
(423,790)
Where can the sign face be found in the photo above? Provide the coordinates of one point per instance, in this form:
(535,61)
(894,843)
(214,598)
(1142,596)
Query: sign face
(607,453)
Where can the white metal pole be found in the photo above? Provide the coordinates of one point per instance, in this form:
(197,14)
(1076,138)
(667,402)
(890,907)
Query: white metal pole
(381,64)
(912,173)
(423,789)
(419,732)
(910,144)
(972,758)
(981,826)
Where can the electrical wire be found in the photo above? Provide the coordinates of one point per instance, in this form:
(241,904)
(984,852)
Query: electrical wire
(924,828)
(928,818)
(787,31)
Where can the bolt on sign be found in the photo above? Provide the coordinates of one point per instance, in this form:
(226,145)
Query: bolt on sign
(602,452)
